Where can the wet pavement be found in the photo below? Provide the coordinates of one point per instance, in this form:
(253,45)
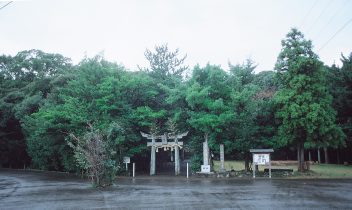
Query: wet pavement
(37,190)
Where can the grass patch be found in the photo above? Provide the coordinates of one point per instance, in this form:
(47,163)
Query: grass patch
(332,171)
(317,170)
(229,165)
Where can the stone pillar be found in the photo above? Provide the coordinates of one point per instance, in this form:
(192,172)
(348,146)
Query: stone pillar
(133,170)
(269,165)
(152,157)
(205,153)
(222,158)
(152,161)
(177,160)
(253,165)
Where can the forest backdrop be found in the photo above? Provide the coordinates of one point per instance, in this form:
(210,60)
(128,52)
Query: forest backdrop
(300,106)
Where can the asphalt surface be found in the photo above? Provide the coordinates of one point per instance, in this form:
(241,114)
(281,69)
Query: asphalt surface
(37,190)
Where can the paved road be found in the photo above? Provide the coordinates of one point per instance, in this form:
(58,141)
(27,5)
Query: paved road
(33,190)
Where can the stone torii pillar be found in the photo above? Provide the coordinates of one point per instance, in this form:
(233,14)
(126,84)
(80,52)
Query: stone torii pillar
(152,158)
(177,150)
(152,152)
(177,160)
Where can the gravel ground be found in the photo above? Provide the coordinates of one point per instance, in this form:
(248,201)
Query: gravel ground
(38,190)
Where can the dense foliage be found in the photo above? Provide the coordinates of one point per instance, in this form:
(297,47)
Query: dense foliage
(45,100)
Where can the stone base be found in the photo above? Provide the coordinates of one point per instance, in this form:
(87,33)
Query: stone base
(205,174)
(222,171)
(205,168)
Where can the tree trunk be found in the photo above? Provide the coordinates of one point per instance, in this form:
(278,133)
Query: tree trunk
(319,160)
(309,156)
(300,155)
(211,162)
(302,159)
(246,162)
(326,155)
(338,156)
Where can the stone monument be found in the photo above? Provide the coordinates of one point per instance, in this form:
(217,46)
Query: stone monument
(222,158)
(205,168)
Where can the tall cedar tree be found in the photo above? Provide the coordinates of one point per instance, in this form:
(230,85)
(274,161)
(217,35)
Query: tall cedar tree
(305,106)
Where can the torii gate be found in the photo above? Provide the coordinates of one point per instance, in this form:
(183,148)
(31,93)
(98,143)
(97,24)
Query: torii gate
(164,144)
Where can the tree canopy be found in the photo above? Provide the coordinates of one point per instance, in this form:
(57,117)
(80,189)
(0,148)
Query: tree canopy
(45,100)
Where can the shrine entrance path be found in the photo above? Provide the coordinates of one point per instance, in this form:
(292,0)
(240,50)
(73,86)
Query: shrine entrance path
(34,190)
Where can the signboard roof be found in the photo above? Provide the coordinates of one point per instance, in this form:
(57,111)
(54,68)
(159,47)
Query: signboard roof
(261,150)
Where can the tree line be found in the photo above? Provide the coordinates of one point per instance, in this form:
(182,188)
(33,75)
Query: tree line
(52,110)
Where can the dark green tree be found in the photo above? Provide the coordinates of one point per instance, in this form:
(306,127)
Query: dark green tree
(26,81)
(91,95)
(166,70)
(165,64)
(251,104)
(339,83)
(207,97)
(340,80)
(305,106)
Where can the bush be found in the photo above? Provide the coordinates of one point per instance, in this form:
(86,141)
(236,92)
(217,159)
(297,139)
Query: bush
(196,162)
(94,156)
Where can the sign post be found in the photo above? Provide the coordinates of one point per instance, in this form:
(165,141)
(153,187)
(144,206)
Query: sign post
(261,157)
(126,160)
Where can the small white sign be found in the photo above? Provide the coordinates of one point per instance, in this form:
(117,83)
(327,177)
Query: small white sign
(261,159)
(126,160)
(205,168)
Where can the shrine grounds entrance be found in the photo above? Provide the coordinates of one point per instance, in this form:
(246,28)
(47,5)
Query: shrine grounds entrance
(165,165)
(166,142)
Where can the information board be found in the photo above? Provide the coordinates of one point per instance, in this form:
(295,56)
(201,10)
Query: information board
(126,159)
(261,159)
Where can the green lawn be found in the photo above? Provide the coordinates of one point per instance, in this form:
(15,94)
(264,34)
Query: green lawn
(318,170)
(230,165)
(332,171)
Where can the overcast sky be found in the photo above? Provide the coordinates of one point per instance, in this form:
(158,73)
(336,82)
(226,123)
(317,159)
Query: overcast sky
(217,32)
